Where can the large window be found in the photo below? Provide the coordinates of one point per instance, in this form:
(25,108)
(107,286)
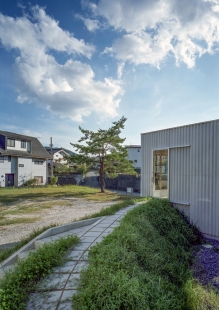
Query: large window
(160,173)
(10,142)
(1,159)
(23,144)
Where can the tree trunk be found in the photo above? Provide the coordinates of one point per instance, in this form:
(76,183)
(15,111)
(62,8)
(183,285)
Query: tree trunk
(102,181)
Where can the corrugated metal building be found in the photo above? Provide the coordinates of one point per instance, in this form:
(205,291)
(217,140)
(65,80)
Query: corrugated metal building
(182,164)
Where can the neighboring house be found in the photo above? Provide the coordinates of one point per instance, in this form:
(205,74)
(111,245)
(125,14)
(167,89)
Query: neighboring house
(134,155)
(181,164)
(21,158)
(59,154)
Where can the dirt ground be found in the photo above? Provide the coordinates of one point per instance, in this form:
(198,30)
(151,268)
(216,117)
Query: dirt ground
(74,209)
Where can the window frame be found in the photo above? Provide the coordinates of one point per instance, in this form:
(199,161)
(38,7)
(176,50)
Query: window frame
(23,144)
(9,142)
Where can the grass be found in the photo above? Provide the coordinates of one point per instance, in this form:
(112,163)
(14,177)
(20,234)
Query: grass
(19,283)
(5,253)
(12,195)
(144,264)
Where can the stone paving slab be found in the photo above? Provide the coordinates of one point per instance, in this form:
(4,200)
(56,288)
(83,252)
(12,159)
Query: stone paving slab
(56,290)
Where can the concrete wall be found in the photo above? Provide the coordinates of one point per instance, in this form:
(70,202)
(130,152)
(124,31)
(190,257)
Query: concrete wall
(123,181)
(193,170)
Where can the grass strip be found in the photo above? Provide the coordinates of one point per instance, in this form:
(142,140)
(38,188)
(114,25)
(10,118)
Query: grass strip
(144,264)
(104,212)
(16,286)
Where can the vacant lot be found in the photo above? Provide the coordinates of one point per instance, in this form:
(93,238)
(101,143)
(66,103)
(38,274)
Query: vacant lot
(23,210)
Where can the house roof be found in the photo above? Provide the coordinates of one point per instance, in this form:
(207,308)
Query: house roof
(58,149)
(37,150)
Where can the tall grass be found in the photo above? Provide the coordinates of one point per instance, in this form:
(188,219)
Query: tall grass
(16,286)
(143,264)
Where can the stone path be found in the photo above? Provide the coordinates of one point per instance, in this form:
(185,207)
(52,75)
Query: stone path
(55,291)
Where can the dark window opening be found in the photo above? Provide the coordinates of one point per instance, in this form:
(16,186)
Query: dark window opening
(38,162)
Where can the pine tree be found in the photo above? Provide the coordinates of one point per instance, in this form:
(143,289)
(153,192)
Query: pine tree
(105,148)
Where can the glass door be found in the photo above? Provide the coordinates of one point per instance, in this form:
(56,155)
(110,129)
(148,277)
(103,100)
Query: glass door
(160,173)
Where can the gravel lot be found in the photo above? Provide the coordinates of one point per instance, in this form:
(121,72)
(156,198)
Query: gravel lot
(75,209)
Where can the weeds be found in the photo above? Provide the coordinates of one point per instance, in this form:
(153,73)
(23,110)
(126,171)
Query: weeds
(16,286)
(143,264)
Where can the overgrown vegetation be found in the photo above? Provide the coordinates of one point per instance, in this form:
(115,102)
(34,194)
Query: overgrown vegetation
(19,283)
(5,253)
(144,264)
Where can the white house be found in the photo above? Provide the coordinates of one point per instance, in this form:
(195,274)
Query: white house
(59,154)
(134,155)
(21,158)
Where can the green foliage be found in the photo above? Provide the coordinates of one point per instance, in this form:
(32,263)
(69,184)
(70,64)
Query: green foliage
(6,253)
(104,147)
(31,182)
(16,286)
(53,180)
(143,264)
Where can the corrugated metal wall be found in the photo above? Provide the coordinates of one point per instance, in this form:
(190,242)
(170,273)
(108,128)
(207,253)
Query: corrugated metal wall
(193,170)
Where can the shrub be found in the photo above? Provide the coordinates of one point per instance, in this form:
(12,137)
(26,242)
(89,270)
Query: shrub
(53,180)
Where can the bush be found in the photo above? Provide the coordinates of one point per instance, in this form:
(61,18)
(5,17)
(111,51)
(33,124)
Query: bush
(53,180)
(31,182)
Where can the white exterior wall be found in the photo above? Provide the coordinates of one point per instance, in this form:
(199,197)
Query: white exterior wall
(193,170)
(18,146)
(59,158)
(28,171)
(134,153)
(8,168)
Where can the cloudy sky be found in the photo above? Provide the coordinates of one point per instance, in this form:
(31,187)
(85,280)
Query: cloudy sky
(65,64)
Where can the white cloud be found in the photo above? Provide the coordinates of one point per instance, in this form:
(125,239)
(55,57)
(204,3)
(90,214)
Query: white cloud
(91,24)
(69,89)
(156,29)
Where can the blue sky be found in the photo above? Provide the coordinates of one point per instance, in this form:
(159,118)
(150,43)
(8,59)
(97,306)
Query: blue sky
(65,64)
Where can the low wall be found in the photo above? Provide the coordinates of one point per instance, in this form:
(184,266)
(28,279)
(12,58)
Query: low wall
(123,181)
(65,179)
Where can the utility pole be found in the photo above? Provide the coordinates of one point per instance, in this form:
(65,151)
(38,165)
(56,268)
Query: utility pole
(51,166)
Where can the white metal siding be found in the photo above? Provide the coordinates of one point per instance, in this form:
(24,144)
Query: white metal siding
(193,171)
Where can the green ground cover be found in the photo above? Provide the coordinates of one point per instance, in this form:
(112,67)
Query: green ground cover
(16,286)
(145,264)
(10,195)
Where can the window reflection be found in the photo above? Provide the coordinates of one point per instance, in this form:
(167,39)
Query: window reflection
(160,169)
